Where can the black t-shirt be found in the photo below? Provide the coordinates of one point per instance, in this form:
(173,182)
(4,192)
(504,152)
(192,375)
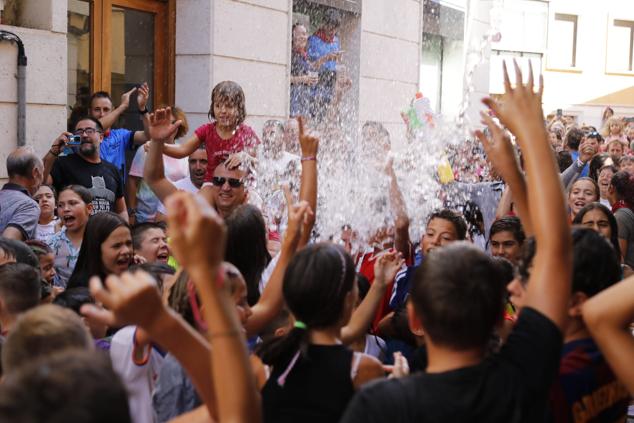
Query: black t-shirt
(101,179)
(511,386)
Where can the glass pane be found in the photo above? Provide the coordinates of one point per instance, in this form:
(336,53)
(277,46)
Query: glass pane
(78,58)
(132,61)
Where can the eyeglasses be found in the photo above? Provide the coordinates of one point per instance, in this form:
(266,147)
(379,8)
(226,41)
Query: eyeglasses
(218,181)
(86,131)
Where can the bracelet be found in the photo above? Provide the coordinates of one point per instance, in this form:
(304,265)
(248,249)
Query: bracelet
(309,159)
(225,334)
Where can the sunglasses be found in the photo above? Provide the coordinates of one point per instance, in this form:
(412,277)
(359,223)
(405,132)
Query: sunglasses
(218,181)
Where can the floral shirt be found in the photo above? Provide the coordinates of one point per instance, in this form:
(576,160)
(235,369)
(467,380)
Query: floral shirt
(65,257)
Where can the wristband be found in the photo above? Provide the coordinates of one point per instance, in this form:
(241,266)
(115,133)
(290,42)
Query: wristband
(580,163)
(144,111)
(309,159)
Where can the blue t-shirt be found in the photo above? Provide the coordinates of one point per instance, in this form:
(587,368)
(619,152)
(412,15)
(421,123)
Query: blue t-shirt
(402,282)
(114,146)
(586,169)
(318,48)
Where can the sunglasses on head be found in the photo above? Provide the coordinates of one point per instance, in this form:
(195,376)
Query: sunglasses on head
(220,181)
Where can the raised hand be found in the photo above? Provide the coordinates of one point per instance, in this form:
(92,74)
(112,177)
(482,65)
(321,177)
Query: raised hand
(498,147)
(387,266)
(298,215)
(161,127)
(586,151)
(519,105)
(143,96)
(125,98)
(131,299)
(59,143)
(197,233)
(308,143)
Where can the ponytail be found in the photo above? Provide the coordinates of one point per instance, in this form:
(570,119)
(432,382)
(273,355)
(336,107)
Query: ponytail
(279,350)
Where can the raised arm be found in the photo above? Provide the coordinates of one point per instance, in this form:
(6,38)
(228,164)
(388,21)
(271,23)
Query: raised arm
(198,237)
(180,151)
(134,299)
(570,175)
(549,284)
(161,129)
(608,316)
(108,120)
(271,301)
(385,268)
(142,98)
(51,155)
(501,154)
(309,145)
(399,210)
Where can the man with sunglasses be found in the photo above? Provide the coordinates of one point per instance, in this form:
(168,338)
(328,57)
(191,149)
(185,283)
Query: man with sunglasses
(86,168)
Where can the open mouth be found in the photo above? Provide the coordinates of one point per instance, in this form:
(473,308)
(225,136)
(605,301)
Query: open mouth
(68,220)
(123,261)
(163,256)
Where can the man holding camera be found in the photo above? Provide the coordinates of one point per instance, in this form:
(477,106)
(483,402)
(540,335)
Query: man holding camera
(85,167)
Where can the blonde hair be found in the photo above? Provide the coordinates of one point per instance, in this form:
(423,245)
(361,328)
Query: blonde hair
(608,123)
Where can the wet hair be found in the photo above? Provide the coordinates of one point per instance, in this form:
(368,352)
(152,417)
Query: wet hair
(247,247)
(98,124)
(229,92)
(623,184)
(99,94)
(592,181)
(316,283)
(89,262)
(277,124)
(21,162)
(456,220)
(332,17)
(564,160)
(19,287)
(69,386)
(139,230)
(510,224)
(458,294)
(614,230)
(74,298)
(574,137)
(81,191)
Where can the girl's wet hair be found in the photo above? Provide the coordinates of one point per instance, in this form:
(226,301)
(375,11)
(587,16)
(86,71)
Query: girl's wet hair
(456,220)
(316,283)
(229,92)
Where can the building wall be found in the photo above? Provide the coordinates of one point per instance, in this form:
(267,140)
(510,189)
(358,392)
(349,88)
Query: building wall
(43,32)
(391,33)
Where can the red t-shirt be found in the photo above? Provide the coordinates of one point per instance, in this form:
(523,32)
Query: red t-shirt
(217,148)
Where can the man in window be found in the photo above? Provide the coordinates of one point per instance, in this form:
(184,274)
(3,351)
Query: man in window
(86,168)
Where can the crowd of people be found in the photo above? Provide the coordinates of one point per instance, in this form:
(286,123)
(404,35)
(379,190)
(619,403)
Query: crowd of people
(191,284)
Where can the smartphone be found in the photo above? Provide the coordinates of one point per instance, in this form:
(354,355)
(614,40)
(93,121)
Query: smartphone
(560,113)
(74,140)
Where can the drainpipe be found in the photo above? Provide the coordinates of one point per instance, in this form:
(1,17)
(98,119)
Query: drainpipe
(9,36)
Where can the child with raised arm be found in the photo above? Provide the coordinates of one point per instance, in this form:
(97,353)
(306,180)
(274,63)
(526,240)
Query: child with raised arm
(226,134)
(457,299)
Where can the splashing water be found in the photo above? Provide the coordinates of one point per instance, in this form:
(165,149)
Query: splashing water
(353,184)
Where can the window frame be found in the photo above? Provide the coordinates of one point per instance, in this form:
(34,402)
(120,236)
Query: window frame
(576,68)
(609,70)
(164,44)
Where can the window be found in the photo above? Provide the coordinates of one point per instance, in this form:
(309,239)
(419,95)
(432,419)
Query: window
(114,45)
(620,54)
(562,42)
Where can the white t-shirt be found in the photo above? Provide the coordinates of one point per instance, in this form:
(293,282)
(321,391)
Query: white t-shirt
(184,184)
(138,378)
(44,233)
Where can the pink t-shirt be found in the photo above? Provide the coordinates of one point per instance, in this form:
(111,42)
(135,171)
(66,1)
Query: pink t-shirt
(217,148)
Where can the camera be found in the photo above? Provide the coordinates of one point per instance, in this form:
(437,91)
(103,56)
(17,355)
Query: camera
(74,140)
